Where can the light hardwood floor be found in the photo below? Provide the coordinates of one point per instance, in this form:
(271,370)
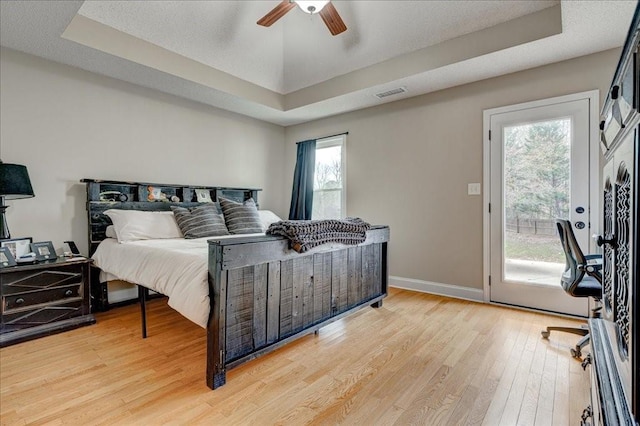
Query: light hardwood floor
(420,359)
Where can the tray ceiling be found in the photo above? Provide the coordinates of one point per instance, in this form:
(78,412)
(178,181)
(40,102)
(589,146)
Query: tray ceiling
(295,71)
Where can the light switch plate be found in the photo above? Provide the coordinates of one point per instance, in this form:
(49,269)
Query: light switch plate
(473,189)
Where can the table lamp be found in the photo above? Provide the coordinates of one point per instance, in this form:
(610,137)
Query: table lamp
(14,184)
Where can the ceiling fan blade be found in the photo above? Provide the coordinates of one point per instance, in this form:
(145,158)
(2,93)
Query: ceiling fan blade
(276,13)
(332,18)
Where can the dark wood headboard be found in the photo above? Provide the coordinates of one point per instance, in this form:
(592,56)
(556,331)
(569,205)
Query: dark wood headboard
(107,194)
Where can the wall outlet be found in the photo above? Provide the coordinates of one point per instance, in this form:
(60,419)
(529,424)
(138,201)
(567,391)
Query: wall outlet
(473,189)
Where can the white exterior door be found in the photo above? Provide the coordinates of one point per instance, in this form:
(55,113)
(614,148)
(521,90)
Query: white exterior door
(539,171)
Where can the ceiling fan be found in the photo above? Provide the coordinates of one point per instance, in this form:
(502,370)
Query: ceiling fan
(327,12)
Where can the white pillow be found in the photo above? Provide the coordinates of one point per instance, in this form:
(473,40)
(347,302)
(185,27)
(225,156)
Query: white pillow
(110,232)
(267,217)
(132,225)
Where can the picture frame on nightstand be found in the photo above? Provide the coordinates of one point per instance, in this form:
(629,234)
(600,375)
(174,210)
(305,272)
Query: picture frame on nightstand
(44,251)
(6,258)
(17,246)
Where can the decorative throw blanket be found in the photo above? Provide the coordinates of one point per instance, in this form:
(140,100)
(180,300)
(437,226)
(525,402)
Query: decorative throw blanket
(306,234)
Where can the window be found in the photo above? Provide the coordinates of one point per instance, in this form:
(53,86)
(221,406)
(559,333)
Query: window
(329,186)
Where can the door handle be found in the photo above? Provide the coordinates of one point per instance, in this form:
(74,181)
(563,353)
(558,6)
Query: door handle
(612,242)
(579,225)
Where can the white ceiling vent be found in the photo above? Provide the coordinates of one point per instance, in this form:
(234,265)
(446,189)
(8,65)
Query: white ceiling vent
(391,92)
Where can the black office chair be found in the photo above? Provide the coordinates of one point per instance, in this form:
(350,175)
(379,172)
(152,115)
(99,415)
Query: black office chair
(582,278)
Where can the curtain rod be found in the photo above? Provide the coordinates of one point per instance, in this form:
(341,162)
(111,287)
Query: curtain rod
(330,136)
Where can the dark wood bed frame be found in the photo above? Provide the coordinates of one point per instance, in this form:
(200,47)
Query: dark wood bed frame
(263,295)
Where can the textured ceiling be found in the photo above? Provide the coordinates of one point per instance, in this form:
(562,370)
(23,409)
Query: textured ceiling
(295,71)
(298,51)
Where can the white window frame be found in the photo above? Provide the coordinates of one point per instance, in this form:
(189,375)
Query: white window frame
(341,141)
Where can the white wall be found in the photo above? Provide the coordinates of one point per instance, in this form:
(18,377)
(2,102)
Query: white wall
(409,163)
(66,124)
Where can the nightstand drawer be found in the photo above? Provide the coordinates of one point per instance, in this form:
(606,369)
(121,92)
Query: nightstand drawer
(25,299)
(46,314)
(22,281)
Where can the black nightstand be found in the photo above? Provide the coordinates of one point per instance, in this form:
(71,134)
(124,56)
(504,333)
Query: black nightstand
(44,298)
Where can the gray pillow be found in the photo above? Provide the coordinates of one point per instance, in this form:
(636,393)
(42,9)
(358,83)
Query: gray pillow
(201,221)
(241,218)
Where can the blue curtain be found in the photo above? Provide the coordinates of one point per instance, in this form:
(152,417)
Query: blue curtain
(302,193)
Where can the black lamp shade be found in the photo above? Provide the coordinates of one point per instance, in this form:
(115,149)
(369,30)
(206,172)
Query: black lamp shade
(14,182)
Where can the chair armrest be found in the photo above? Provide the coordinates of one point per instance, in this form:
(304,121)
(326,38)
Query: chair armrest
(594,262)
(594,258)
(593,268)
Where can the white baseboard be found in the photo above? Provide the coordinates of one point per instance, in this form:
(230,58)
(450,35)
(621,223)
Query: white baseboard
(448,290)
(459,292)
(123,294)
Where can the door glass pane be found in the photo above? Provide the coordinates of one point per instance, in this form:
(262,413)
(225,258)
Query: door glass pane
(327,186)
(537,182)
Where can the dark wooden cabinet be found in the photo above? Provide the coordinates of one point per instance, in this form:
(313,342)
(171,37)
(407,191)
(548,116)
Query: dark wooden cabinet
(44,298)
(614,336)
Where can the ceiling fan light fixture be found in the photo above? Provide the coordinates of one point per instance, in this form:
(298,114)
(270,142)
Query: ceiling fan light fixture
(325,9)
(310,6)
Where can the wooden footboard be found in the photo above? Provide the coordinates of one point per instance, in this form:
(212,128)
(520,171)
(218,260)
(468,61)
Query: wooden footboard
(264,295)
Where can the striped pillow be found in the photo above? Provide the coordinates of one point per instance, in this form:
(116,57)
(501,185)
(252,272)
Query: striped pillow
(201,221)
(241,218)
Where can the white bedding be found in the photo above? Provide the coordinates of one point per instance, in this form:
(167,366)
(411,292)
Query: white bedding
(174,267)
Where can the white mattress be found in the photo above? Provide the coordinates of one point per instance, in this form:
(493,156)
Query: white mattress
(174,267)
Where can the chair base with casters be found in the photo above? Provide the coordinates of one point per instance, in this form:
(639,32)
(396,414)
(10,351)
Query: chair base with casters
(582,278)
(583,330)
(577,351)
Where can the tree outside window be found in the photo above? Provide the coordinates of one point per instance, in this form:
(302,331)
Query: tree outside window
(537,181)
(328,188)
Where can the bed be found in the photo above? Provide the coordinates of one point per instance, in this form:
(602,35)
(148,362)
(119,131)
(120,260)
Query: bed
(251,292)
